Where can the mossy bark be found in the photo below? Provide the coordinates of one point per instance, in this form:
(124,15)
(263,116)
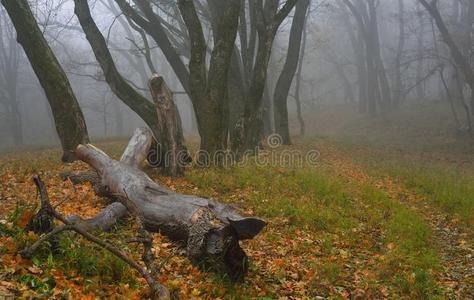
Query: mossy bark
(268,19)
(68,117)
(208,88)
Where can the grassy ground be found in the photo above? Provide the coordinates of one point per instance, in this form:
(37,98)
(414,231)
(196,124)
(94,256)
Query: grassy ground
(417,145)
(328,235)
(363,222)
(445,183)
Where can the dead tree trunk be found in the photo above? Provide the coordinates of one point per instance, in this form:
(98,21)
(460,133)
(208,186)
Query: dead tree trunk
(173,154)
(210,230)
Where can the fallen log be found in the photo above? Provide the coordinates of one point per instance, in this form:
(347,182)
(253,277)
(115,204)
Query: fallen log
(210,230)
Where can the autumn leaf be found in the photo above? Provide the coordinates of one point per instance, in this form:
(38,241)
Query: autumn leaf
(24,218)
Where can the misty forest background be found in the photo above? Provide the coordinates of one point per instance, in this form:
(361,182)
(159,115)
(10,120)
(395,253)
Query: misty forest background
(332,57)
(383,90)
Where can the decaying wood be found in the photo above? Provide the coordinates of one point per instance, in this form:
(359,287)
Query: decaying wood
(134,155)
(104,220)
(109,215)
(169,152)
(43,220)
(209,229)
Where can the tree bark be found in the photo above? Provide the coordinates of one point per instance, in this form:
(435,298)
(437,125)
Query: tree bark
(43,222)
(267,21)
(398,92)
(285,79)
(138,103)
(420,89)
(366,28)
(456,53)
(208,88)
(174,154)
(162,118)
(357,41)
(386,96)
(299,74)
(10,61)
(68,117)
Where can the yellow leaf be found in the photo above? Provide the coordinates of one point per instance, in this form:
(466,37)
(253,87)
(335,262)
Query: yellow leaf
(195,292)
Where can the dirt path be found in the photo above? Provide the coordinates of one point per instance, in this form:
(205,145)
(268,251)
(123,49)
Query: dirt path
(455,247)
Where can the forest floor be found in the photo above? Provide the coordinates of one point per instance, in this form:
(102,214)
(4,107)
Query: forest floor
(363,222)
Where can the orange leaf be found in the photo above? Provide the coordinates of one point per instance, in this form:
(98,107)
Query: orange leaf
(25,218)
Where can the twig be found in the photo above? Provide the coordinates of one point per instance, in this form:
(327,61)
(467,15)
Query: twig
(28,251)
(158,290)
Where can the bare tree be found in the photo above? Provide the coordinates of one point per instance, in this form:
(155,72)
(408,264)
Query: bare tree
(268,18)
(461,61)
(398,89)
(9,64)
(358,48)
(67,114)
(285,79)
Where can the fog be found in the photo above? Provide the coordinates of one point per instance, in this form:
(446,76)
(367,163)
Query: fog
(269,149)
(328,77)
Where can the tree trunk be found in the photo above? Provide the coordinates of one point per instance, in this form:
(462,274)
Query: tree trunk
(401,46)
(138,103)
(386,97)
(467,20)
(174,154)
(268,19)
(68,117)
(210,230)
(285,79)
(420,89)
(163,119)
(461,61)
(359,57)
(16,119)
(365,20)
(372,82)
(253,114)
(299,75)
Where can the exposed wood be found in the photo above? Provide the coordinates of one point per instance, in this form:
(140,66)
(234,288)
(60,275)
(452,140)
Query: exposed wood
(43,220)
(170,147)
(104,220)
(210,230)
(133,155)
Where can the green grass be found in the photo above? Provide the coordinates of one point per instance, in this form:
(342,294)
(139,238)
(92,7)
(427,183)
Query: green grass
(337,215)
(447,185)
(324,204)
(76,256)
(449,189)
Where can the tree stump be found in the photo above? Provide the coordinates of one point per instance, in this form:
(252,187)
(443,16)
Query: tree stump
(169,152)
